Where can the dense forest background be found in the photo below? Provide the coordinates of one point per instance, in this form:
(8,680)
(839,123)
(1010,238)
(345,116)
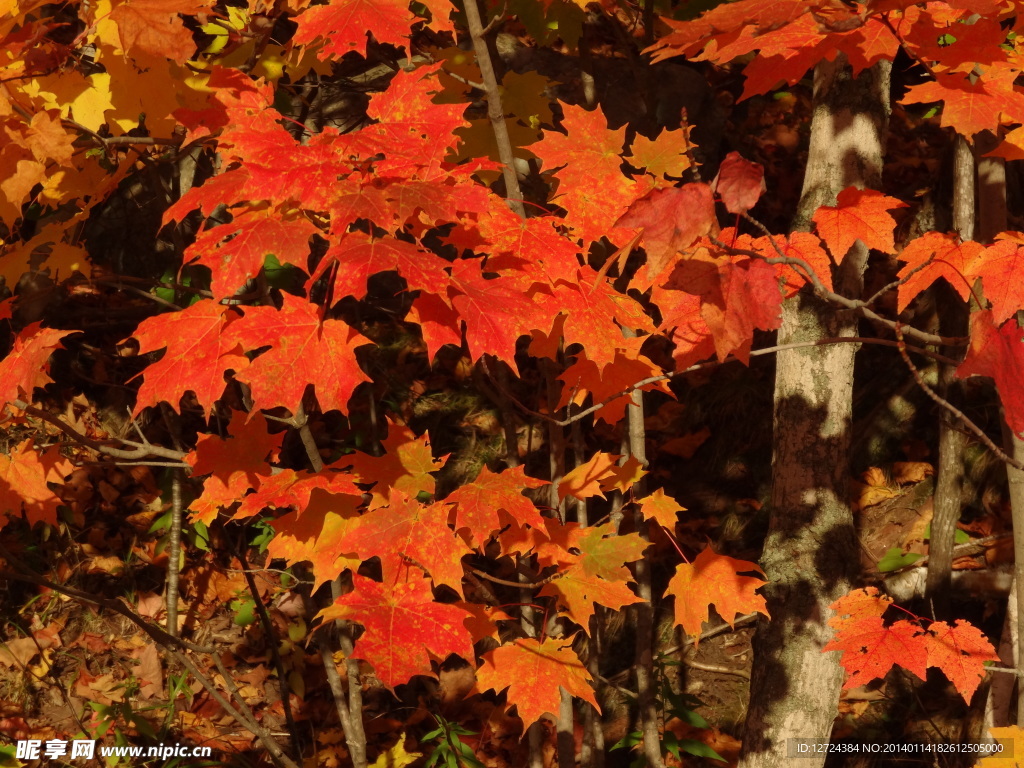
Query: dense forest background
(525,383)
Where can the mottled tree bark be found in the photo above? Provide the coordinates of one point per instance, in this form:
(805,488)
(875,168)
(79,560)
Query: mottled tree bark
(810,554)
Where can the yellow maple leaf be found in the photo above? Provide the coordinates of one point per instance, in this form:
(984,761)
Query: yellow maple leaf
(1010,743)
(397,756)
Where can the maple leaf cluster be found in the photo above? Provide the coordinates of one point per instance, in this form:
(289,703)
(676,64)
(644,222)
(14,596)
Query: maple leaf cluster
(871,646)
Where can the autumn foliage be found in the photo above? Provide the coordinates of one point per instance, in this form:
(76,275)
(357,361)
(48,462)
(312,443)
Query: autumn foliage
(629,268)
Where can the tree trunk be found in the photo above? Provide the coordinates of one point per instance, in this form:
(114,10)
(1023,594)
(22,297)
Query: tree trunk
(811,554)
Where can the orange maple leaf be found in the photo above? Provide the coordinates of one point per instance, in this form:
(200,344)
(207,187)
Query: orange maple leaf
(23,482)
(662,509)
(713,579)
(27,365)
(533,672)
(585,480)
(859,214)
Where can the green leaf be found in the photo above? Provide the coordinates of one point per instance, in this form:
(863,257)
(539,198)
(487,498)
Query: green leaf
(894,559)
(245,611)
(629,740)
(699,749)
(961,537)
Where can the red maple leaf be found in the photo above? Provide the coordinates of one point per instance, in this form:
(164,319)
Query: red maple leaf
(303,349)
(999,354)
(414,132)
(586,304)
(999,266)
(345,24)
(870,649)
(584,377)
(800,245)
(439,323)
(588,165)
(27,365)
(739,183)
(584,481)
(528,249)
(235,252)
(934,255)
(738,296)
(533,672)
(713,579)
(408,534)
(968,107)
(859,214)
(406,628)
(960,652)
(319,534)
(360,256)
(199,351)
(288,489)
(23,483)
(672,219)
(479,502)
(153,26)
(496,311)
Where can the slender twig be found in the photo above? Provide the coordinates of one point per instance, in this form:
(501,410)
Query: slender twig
(495,111)
(739,622)
(243,715)
(710,364)
(494,22)
(719,668)
(141,450)
(832,296)
(268,628)
(156,633)
(464,80)
(952,409)
(301,422)
(897,283)
(518,584)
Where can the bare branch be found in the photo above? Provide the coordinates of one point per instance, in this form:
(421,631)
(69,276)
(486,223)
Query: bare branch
(141,450)
(952,409)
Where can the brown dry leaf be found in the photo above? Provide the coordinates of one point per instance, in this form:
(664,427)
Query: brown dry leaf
(105,564)
(212,586)
(92,642)
(873,488)
(966,563)
(103,689)
(1001,551)
(149,672)
(21,651)
(150,605)
(18,652)
(907,472)
(109,493)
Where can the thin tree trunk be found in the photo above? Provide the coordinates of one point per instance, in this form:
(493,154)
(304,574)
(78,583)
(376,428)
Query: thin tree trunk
(949,476)
(646,686)
(991,220)
(811,553)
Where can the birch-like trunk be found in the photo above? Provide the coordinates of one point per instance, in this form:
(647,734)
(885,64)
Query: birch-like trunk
(810,554)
